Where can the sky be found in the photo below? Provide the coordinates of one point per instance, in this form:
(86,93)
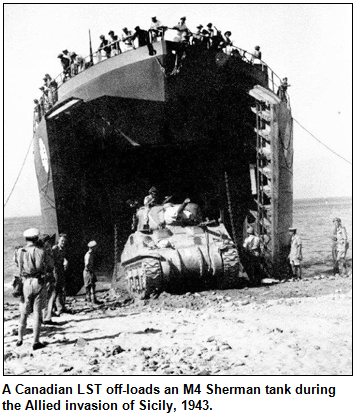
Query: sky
(310,44)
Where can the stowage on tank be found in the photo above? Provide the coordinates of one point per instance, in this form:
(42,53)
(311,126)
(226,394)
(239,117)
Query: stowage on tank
(173,250)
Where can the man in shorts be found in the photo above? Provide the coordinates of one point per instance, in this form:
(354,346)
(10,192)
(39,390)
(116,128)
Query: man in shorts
(295,255)
(89,273)
(32,263)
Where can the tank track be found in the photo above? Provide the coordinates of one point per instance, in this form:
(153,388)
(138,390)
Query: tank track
(231,263)
(148,281)
(153,276)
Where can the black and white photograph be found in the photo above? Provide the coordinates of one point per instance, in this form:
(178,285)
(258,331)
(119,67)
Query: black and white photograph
(178,193)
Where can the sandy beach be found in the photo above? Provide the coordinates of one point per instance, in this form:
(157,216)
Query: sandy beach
(291,328)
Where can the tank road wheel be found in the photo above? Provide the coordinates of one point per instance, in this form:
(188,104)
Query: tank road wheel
(231,266)
(153,276)
(144,278)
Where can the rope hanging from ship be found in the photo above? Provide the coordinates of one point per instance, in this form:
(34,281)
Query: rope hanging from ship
(319,141)
(163,69)
(18,176)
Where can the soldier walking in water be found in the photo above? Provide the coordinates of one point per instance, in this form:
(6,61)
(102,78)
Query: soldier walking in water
(340,247)
(89,272)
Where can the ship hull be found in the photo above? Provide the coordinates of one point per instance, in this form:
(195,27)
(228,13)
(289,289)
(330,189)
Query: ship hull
(134,125)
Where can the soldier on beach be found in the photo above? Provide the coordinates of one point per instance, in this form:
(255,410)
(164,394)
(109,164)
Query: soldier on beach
(60,267)
(32,262)
(340,247)
(45,243)
(295,254)
(89,273)
(252,246)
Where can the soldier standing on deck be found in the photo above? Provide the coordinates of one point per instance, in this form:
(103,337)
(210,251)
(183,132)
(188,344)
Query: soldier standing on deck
(37,111)
(104,46)
(114,44)
(340,247)
(89,272)
(295,255)
(282,90)
(156,29)
(126,39)
(32,262)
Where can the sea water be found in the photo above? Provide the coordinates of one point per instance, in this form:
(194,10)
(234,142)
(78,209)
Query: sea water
(312,217)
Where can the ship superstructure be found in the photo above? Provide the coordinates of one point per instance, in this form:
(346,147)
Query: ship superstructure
(194,122)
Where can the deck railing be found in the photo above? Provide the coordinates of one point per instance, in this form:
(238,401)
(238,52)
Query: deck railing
(97,57)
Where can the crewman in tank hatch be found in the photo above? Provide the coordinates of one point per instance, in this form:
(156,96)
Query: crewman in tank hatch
(174,214)
(89,272)
(150,200)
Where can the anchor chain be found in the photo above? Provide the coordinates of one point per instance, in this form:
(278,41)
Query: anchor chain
(239,268)
(229,203)
(116,256)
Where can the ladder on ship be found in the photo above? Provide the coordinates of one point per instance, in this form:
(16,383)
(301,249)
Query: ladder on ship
(263,178)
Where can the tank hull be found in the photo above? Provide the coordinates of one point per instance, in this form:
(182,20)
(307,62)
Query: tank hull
(135,124)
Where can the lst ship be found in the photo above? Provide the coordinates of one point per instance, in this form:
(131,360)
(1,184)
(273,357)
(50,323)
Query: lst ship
(192,121)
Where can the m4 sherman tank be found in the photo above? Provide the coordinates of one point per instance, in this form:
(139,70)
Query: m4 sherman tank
(173,250)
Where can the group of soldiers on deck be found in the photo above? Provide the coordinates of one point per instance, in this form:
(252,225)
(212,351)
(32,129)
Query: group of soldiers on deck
(208,37)
(48,98)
